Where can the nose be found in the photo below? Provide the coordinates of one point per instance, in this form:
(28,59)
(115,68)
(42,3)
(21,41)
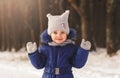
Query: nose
(58,35)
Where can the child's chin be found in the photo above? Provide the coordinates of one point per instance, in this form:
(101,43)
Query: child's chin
(59,42)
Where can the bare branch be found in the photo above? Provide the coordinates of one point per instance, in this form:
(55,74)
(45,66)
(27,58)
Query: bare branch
(72,3)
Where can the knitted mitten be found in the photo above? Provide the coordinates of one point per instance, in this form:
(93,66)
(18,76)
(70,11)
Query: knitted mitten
(85,44)
(31,47)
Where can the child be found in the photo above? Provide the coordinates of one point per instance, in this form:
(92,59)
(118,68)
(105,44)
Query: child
(58,53)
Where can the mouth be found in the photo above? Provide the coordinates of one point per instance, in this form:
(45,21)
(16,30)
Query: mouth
(58,39)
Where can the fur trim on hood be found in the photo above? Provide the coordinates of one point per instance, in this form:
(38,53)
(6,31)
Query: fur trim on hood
(45,38)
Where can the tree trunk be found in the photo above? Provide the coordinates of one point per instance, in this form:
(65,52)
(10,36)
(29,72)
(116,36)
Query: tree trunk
(110,39)
(43,10)
(91,25)
(84,18)
(40,5)
(2,27)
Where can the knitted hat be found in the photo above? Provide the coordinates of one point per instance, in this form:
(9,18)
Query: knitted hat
(58,22)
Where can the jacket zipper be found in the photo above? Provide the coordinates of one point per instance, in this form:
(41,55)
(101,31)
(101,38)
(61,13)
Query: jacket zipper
(56,59)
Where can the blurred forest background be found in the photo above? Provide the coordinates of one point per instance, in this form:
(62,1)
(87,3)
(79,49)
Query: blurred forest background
(95,20)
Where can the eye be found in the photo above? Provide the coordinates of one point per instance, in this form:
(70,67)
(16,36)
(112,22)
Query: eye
(54,32)
(62,32)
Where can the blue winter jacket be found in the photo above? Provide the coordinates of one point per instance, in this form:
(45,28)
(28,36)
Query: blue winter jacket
(58,61)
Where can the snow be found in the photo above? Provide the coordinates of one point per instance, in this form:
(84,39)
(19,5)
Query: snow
(99,65)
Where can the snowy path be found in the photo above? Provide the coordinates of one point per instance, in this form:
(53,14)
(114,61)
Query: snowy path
(16,65)
(13,72)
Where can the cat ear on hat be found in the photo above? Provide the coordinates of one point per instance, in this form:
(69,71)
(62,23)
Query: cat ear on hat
(66,13)
(48,15)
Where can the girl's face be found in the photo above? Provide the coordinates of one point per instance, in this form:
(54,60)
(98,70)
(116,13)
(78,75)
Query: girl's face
(59,36)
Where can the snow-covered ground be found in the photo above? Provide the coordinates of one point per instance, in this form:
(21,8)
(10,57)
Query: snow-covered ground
(99,65)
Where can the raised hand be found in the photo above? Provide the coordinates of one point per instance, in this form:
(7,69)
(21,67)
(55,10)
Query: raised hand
(31,47)
(85,44)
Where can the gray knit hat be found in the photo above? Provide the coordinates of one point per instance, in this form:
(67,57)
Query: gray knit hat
(58,22)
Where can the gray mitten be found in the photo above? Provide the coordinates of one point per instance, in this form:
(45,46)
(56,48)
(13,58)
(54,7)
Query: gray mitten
(31,47)
(85,44)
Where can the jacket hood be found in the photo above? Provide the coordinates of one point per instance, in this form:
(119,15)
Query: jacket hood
(45,38)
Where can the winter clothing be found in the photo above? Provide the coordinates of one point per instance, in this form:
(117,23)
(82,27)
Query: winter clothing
(58,22)
(31,47)
(85,44)
(58,60)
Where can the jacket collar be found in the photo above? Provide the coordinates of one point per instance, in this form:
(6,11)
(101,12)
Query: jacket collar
(45,38)
(62,44)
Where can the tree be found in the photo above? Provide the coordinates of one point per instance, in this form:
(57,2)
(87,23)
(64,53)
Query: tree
(110,32)
(44,8)
(2,26)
